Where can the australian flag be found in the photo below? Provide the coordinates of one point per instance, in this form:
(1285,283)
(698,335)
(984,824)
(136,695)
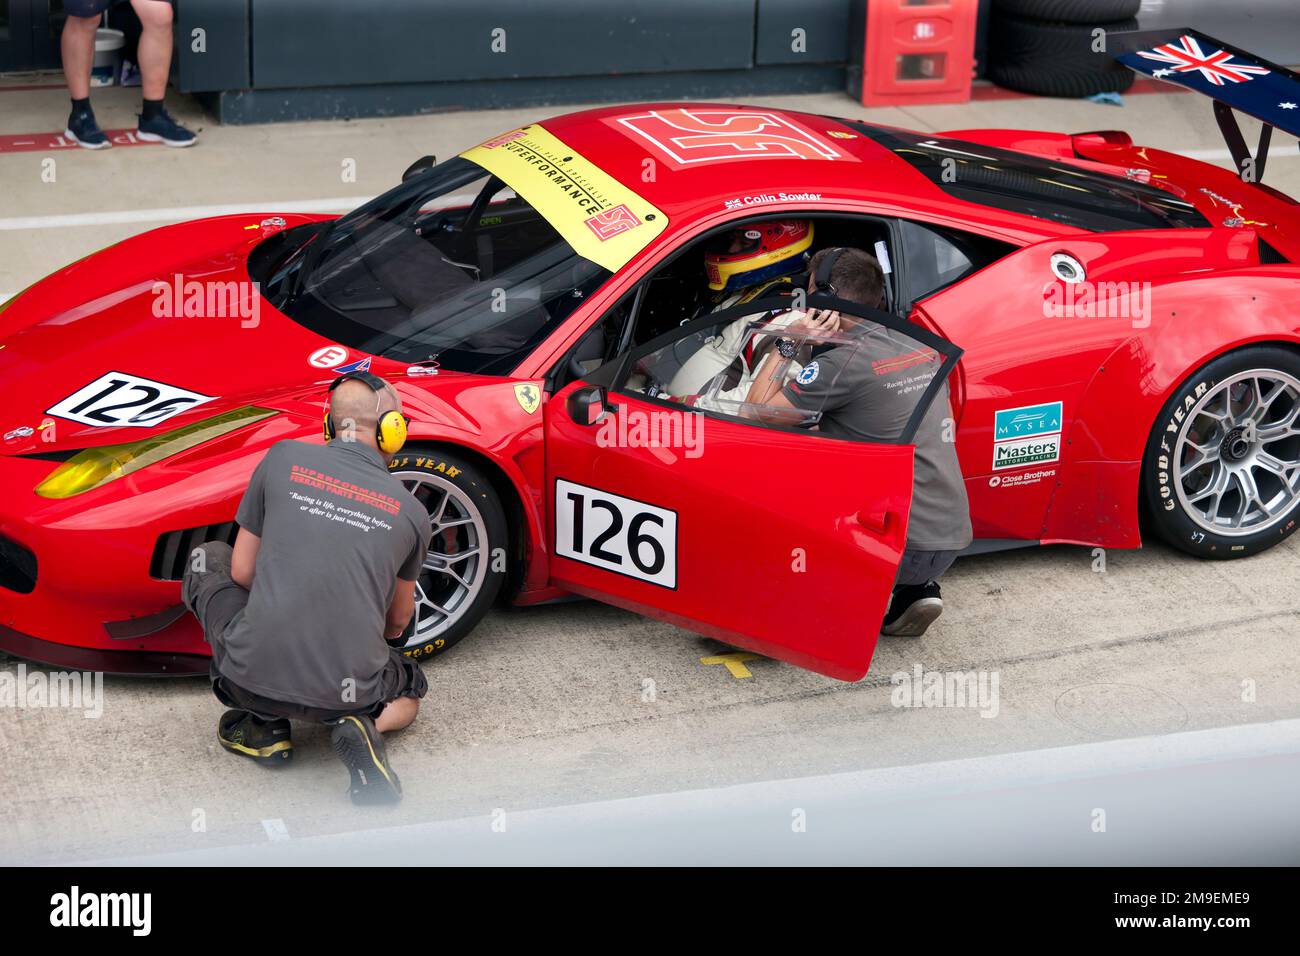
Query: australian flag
(1264,90)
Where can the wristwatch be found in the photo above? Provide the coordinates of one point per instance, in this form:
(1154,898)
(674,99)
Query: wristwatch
(787,347)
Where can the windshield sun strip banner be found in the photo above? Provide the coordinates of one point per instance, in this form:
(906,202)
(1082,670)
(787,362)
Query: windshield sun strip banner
(601,218)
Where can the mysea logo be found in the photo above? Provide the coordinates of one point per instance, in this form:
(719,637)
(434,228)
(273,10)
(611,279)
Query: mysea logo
(1028,435)
(75,908)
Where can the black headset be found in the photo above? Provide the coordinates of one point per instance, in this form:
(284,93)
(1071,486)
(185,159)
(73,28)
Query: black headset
(390,430)
(821,280)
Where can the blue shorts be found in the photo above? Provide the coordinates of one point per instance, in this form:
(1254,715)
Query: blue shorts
(91,8)
(86,8)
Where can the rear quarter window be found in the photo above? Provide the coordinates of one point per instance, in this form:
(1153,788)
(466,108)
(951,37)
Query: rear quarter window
(1036,187)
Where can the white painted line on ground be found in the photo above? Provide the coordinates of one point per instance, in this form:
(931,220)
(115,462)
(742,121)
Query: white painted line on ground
(344,204)
(959,782)
(178,213)
(1205,155)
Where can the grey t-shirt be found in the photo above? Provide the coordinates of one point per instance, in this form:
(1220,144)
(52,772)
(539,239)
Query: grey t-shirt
(867,391)
(337,531)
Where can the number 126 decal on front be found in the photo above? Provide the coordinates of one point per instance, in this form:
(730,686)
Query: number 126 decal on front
(121,400)
(617,534)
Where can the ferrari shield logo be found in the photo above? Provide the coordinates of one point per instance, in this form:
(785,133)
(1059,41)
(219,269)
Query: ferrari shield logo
(529,396)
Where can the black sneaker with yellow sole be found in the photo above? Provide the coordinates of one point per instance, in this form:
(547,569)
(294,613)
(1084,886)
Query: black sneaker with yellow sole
(361,748)
(266,741)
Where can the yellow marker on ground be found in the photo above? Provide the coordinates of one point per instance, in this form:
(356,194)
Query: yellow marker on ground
(735,663)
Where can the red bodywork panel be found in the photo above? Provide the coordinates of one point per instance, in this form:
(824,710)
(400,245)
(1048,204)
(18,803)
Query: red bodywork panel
(764,564)
(1208,293)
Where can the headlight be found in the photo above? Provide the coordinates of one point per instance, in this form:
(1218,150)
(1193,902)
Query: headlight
(93,467)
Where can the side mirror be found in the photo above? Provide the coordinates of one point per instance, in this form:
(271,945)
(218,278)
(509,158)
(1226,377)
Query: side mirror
(587,406)
(421,165)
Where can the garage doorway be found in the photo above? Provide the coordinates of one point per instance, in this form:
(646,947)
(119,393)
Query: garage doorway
(29,34)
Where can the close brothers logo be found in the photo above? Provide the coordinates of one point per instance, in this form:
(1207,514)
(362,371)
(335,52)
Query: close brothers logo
(78,909)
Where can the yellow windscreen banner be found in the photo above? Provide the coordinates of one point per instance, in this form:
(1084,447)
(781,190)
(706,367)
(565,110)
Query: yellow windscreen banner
(601,218)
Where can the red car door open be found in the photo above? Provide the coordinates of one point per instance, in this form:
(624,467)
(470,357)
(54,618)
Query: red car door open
(762,533)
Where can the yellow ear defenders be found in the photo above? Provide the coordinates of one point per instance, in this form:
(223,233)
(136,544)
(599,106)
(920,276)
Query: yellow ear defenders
(390,430)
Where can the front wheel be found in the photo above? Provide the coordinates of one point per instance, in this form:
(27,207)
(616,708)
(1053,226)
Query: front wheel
(465,566)
(1221,475)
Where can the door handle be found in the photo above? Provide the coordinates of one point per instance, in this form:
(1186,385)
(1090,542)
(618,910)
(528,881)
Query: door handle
(877,521)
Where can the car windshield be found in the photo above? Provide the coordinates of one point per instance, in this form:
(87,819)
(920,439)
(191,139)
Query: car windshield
(451,266)
(1035,186)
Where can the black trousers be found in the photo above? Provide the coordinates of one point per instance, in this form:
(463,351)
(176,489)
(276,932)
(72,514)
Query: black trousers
(218,601)
(921,567)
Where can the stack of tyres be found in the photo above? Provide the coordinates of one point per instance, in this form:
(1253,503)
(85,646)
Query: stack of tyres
(1059,47)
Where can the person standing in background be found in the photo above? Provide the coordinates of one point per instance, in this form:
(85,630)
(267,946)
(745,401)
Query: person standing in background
(155,56)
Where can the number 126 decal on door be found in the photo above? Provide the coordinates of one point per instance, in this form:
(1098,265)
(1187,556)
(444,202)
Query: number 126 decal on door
(617,534)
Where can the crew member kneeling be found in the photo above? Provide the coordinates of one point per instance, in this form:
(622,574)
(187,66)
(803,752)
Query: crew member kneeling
(322,571)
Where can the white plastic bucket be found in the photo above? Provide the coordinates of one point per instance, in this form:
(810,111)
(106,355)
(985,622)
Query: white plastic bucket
(108,57)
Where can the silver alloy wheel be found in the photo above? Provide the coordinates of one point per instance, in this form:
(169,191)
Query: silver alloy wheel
(1237,458)
(457,562)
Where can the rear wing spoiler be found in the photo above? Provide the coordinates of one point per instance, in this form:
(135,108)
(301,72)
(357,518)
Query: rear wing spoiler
(1233,78)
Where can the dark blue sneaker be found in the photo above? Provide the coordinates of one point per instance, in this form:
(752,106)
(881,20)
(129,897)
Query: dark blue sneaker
(84,131)
(163,129)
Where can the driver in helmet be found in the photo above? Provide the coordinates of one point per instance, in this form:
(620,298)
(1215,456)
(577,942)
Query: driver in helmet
(752,262)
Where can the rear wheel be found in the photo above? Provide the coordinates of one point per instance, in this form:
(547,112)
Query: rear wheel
(465,566)
(1221,474)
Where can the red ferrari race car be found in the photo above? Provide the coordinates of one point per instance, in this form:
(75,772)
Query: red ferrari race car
(1129,352)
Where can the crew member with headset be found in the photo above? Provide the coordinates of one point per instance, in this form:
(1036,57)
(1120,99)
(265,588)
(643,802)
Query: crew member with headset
(323,570)
(864,388)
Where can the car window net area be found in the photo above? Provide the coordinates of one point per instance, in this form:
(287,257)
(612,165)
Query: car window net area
(1034,186)
(858,381)
(450,266)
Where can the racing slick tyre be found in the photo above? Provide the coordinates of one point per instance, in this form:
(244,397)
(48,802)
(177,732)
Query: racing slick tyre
(465,567)
(1055,59)
(1070,11)
(1221,474)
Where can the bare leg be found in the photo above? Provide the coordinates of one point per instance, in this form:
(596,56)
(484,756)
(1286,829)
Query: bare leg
(155,50)
(78,45)
(397,714)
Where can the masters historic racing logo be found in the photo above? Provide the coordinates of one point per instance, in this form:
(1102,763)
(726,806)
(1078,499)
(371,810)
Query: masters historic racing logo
(683,136)
(1028,435)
